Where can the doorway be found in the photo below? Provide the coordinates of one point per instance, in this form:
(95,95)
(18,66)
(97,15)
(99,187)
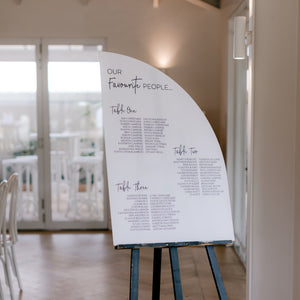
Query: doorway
(237,137)
(52,133)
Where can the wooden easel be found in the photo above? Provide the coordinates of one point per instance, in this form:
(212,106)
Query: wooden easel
(173,253)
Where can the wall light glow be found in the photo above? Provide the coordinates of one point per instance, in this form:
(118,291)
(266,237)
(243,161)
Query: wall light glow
(163,49)
(163,58)
(163,61)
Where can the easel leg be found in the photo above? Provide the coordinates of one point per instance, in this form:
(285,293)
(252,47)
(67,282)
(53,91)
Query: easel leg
(134,274)
(216,272)
(156,273)
(175,273)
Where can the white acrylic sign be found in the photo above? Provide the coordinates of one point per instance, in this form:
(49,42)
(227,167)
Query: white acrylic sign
(166,173)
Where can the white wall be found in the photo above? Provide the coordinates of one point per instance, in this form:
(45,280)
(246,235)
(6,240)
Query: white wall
(184,35)
(274,153)
(274,239)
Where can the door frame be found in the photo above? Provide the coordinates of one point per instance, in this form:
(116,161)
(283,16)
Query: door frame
(237,144)
(49,223)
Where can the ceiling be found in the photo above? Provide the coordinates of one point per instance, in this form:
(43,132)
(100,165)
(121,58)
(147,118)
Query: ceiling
(206,4)
(215,3)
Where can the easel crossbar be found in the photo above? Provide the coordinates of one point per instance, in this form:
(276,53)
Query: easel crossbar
(167,245)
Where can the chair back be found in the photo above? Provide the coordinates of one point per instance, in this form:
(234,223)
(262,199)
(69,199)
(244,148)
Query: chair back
(12,221)
(3,200)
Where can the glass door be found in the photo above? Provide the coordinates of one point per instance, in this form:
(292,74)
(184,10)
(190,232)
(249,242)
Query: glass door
(75,135)
(51,132)
(19,144)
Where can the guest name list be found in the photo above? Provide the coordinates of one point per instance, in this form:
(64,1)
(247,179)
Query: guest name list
(166,173)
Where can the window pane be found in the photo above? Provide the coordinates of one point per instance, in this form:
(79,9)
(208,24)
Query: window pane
(17,77)
(75,133)
(18,124)
(74,77)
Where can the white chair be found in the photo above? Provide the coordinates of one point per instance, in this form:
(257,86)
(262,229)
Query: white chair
(3,249)
(26,167)
(12,237)
(91,168)
(59,175)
